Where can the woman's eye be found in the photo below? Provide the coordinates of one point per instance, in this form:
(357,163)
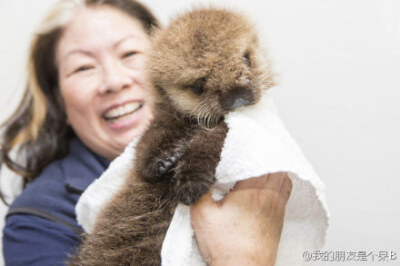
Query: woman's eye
(129,54)
(83,68)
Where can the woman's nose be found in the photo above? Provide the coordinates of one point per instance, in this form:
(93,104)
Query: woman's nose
(115,78)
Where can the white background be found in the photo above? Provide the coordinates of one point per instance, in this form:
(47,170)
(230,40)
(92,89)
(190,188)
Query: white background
(339,65)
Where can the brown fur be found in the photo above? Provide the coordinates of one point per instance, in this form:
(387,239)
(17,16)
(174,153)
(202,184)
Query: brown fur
(204,65)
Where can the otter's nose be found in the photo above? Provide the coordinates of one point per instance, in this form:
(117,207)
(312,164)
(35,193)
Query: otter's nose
(239,102)
(236,98)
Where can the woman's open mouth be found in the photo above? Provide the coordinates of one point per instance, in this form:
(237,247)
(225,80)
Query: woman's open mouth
(122,112)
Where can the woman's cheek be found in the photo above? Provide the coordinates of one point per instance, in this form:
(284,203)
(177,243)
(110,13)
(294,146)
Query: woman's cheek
(84,85)
(77,96)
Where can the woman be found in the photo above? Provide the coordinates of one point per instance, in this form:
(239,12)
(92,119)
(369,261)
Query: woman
(86,98)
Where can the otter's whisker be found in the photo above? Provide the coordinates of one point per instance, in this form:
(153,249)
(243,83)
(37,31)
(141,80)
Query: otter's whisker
(195,110)
(202,113)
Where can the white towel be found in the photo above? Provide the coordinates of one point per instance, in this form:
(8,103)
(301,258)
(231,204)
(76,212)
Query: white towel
(257,143)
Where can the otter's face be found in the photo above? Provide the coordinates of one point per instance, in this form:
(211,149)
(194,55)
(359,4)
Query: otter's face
(208,63)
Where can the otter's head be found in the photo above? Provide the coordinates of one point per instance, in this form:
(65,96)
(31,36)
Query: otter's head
(208,62)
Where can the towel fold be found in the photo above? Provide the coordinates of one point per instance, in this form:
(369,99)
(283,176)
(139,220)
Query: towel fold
(257,143)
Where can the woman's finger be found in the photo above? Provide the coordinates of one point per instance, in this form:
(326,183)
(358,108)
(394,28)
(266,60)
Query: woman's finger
(205,202)
(275,181)
(254,182)
(286,188)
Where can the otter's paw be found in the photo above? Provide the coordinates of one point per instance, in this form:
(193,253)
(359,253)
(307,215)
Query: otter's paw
(189,191)
(165,165)
(161,165)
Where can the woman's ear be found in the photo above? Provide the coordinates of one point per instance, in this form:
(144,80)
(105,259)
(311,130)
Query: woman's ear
(60,103)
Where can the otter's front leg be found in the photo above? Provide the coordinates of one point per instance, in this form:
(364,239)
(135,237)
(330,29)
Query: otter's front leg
(195,171)
(160,148)
(130,230)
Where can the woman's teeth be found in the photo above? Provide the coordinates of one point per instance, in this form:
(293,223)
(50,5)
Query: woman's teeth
(120,112)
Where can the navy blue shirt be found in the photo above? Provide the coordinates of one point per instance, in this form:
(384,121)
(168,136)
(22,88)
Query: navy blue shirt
(41,227)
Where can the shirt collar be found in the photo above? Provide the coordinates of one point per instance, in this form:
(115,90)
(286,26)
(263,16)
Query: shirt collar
(81,167)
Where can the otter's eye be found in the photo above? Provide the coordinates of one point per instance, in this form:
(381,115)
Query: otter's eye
(198,89)
(246,58)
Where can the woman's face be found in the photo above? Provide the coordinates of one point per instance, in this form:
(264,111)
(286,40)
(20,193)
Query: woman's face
(101,58)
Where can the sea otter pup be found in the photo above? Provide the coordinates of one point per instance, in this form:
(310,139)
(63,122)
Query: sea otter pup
(205,64)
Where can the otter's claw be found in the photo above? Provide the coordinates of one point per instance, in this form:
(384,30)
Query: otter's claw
(164,166)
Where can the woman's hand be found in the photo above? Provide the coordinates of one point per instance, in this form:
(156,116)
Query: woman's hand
(245,227)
